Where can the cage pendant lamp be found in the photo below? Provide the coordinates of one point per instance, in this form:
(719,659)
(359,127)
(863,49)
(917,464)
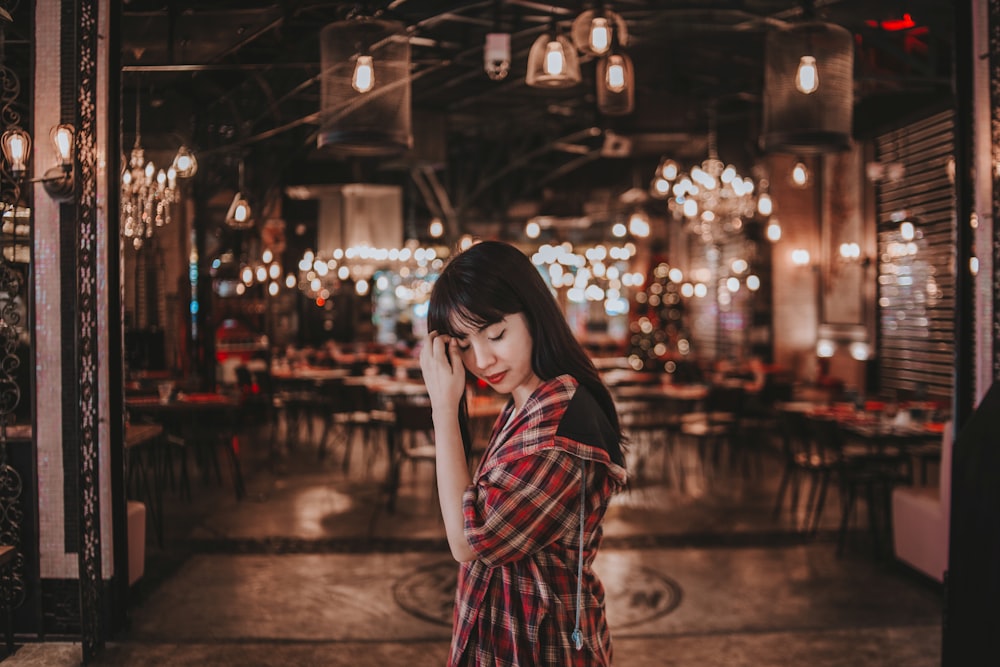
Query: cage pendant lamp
(239,216)
(371,119)
(814,118)
(615,84)
(553,62)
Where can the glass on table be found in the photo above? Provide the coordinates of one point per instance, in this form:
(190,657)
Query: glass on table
(165,391)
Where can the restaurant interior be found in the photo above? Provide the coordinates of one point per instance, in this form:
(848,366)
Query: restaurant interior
(769,223)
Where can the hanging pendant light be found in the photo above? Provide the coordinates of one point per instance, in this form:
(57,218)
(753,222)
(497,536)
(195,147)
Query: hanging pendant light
(808,89)
(147,194)
(496,55)
(806,77)
(615,84)
(185,164)
(712,198)
(496,50)
(365,94)
(595,30)
(553,62)
(363,79)
(239,216)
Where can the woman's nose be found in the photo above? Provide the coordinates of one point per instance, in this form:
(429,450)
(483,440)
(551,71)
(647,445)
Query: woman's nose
(484,356)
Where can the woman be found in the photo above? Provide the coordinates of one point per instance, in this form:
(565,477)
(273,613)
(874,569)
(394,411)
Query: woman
(526,592)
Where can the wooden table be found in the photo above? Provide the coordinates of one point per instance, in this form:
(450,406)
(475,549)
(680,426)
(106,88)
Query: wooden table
(201,420)
(311,374)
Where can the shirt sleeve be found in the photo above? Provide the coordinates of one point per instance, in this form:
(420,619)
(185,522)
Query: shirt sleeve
(522,506)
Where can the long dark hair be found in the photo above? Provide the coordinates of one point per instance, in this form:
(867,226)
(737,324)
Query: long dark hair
(482,285)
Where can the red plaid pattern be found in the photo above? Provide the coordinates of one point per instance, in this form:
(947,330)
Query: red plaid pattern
(516,603)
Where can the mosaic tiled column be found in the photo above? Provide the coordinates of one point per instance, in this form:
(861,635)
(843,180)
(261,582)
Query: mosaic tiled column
(71,286)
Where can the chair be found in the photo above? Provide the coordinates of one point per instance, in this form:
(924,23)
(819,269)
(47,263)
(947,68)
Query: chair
(352,409)
(650,425)
(297,399)
(717,424)
(809,449)
(258,401)
(411,440)
(873,472)
(761,421)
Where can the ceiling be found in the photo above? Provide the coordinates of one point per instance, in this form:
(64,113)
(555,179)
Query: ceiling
(238,80)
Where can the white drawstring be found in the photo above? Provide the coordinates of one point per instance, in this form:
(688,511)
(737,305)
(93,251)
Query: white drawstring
(577,634)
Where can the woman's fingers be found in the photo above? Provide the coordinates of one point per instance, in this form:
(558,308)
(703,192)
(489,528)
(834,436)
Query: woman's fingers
(455,356)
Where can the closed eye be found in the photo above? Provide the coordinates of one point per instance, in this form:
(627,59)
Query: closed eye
(498,336)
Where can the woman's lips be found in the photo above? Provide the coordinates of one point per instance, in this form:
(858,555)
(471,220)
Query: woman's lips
(494,379)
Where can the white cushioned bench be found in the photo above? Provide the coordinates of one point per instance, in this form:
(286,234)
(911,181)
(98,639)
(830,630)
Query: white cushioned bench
(920,517)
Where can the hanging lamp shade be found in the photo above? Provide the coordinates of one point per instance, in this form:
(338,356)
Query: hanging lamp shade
(370,117)
(239,215)
(808,89)
(615,84)
(595,30)
(553,62)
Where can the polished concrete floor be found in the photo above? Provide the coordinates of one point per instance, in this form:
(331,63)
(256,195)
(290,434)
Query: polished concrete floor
(310,569)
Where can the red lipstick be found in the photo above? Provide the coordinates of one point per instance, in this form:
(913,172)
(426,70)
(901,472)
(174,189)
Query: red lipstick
(494,379)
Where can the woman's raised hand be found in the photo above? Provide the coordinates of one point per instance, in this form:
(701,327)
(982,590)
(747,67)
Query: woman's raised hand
(443,371)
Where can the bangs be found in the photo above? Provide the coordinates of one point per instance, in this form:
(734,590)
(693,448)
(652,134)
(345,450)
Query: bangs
(459,306)
(463,321)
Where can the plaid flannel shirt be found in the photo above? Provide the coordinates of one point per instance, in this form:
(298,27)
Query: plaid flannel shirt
(516,602)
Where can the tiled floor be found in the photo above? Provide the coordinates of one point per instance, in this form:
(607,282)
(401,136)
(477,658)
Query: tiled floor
(309,569)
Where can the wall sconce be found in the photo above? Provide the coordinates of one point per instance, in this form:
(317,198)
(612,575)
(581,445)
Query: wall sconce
(16,145)
(800,257)
(58,180)
(860,351)
(885,171)
(773,230)
(800,174)
(850,252)
(552,62)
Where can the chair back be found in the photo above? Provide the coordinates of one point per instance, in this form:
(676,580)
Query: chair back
(355,398)
(725,402)
(413,416)
(826,440)
(794,433)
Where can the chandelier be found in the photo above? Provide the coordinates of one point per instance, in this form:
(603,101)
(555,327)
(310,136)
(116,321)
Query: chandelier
(713,198)
(147,192)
